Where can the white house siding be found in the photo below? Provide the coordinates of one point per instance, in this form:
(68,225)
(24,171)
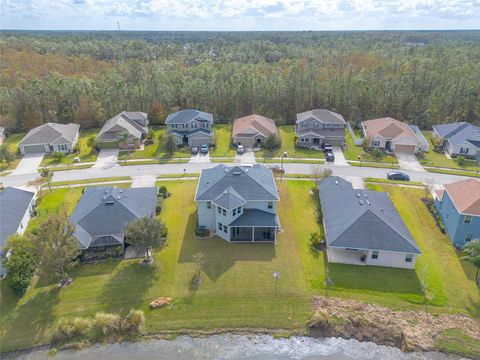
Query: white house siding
(385,258)
(24,222)
(206,217)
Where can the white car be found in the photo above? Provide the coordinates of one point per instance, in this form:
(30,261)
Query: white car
(240,149)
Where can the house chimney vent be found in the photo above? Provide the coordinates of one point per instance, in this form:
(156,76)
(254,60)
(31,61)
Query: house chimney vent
(358,195)
(336,182)
(361,202)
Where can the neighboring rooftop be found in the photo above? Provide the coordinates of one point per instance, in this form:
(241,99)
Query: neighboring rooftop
(185,116)
(362,219)
(388,128)
(126,120)
(106,211)
(458,132)
(240,183)
(465,195)
(323,115)
(14,204)
(253,124)
(51,133)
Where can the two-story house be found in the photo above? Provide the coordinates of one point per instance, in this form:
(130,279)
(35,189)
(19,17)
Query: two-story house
(319,126)
(190,127)
(459,208)
(239,203)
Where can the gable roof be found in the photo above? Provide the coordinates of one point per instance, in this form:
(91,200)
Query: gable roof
(325,116)
(465,195)
(51,133)
(14,204)
(362,219)
(187,115)
(388,128)
(229,199)
(126,122)
(254,124)
(458,132)
(106,211)
(240,182)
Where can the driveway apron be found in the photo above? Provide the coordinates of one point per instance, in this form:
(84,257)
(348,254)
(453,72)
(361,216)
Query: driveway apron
(28,164)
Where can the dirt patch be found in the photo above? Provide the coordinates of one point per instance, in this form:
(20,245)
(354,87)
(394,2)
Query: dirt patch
(407,330)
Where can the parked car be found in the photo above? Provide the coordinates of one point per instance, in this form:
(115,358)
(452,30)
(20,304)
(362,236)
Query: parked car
(396,175)
(204,149)
(277,169)
(329,156)
(327,147)
(194,150)
(240,149)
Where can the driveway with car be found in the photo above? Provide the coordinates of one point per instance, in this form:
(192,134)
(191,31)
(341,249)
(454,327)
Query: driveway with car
(28,164)
(408,161)
(199,158)
(107,158)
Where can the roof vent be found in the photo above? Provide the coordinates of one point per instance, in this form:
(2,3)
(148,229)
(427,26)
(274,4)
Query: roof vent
(109,202)
(381,210)
(119,197)
(225,191)
(358,195)
(361,202)
(365,195)
(246,170)
(369,203)
(336,182)
(236,173)
(226,170)
(106,192)
(121,191)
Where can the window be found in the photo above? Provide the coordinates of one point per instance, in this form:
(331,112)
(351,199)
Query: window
(225,229)
(224,212)
(209,204)
(304,125)
(183,126)
(467,219)
(375,254)
(270,205)
(463,150)
(375,143)
(409,258)
(468,238)
(220,226)
(219,209)
(234,212)
(239,210)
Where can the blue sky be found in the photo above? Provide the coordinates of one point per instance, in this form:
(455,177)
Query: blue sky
(239,14)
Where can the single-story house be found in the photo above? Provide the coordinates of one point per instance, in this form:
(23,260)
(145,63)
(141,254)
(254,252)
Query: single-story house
(2,135)
(16,209)
(459,207)
(251,130)
(394,135)
(103,213)
(319,126)
(50,137)
(135,123)
(190,127)
(460,138)
(238,203)
(362,227)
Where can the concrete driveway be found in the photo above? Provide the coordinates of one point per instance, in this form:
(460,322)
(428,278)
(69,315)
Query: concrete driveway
(28,164)
(107,158)
(248,157)
(199,158)
(339,157)
(408,161)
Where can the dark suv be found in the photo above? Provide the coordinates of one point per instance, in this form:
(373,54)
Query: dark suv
(329,156)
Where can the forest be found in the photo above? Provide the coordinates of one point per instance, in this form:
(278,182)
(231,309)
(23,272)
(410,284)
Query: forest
(422,77)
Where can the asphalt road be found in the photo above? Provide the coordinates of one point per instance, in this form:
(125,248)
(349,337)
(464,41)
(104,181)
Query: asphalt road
(290,168)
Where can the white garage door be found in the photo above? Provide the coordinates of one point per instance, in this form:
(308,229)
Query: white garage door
(405,148)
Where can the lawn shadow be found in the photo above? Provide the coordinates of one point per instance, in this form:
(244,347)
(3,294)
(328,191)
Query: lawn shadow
(127,286)
(220,255)
(467,267)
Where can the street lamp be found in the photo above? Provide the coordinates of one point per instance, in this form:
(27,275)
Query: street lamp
(276,276)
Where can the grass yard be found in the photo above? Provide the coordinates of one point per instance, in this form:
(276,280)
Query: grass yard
(435,159)
(287,134)
(223,141)
(375,165)
(11,141)
(87,153)
(89,181)
(352,152)
(397,182)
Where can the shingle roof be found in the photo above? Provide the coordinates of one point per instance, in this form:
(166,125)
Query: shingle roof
(254,124)
(185,116)
(189,133)
(51,133)
(465,195)
(362,219)
(458,132)
(255,217)
(229,199)
(14,204)
(323,115)
(250,183)
(125,120)
(388,128)
(104,211)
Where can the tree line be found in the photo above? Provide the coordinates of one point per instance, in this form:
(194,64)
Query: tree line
(419,77)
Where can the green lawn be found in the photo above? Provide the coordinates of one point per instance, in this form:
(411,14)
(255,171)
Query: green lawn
(352,152)
(237,288)
(287,134)
(223,141)
(435,159)
(89,181)
(87,153)
(12,141)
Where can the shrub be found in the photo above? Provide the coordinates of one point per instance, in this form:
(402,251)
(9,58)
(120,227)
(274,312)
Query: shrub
(378,154)
(58,155)
(21,264)
(316,240)
(318,207)
(150,134)
(460,160)
(430,204)
(69,328)
(162,190)
(106,324)
(201,231)
(92,141)
(134,321)
(170,144)
(271,143)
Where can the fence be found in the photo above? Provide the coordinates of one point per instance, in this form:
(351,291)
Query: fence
(357,141)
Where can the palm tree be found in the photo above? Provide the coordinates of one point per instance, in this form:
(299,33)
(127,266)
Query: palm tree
(122,139)
(471,253)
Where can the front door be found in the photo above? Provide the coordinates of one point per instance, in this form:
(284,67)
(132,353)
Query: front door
(185,140)
(316,141)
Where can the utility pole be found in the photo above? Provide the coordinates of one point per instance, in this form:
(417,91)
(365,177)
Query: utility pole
(276,276)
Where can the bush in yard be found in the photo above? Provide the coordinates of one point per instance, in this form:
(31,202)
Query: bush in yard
(460,160)
(92,141)
(106,324)
(170,144)
(146,234)
(318,207)
(150,134)
(271,143)
(134,321)
(316,240)
(162,190)
(58,155)
(378,154)
(20,266)
(6,154)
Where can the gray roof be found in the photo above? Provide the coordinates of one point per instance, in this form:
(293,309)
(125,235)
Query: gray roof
(106,211)
(51,133)
(189,133)
(249,182)
(14,204)
(255,217)
(419,134)
(185,116)
(459,132)
(127,121)
(323,133)
(323,115)
(362,219)
(229,199)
